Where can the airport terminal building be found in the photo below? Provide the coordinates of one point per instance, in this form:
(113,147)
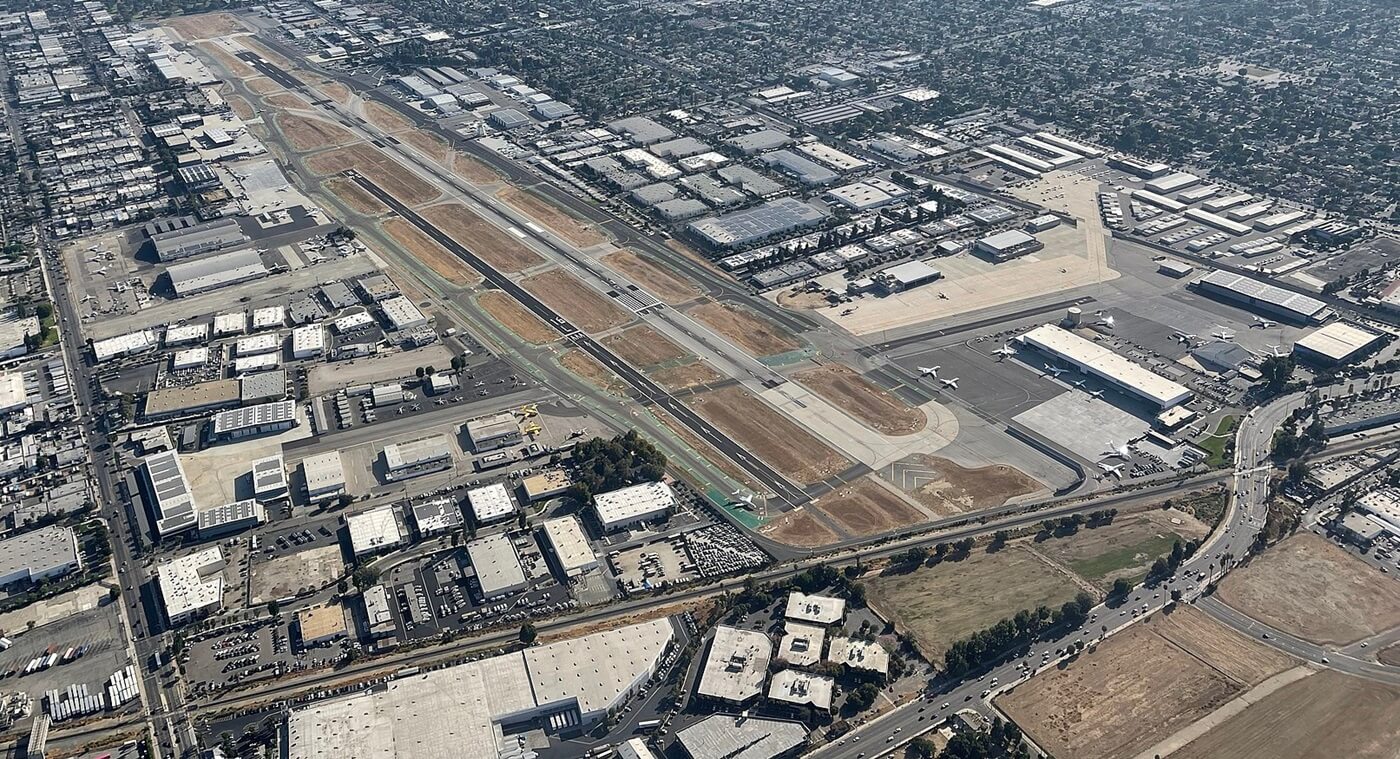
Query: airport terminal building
(1091,358)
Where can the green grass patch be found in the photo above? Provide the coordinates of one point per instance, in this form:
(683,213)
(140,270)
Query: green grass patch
(1215,444)
(1098,567)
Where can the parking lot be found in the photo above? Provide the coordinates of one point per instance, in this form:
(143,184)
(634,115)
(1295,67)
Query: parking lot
(250,652)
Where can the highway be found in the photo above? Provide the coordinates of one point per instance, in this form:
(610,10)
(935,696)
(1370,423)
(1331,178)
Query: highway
(1221,551)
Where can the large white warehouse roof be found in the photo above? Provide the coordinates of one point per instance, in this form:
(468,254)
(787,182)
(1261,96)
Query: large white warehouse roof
(1105,364)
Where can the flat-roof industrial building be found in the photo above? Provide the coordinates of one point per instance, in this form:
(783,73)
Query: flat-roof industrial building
(324,476)
(860,654)
(261,419)
(230,518)
(414,458)
(491,432)
(796,688)
(472,707)
(801,645)
(375,530)
(402,314)
(41,554)
(1337,343)
(1007,245)
(490,503)
(733,736)
(751,225)
(437,516)
(631,506)
(1092,358)
(736,666)
(1271,299)
(497,566)
(205,274)
(198,239)
(269,479)
(192,585)
(167,492)
(569,545)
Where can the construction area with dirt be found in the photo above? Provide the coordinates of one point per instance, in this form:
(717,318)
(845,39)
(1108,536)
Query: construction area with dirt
(569,297)
(944,603)
(494,245)
(745,329)
(670,288)
(1140,686)
(769,435)
(425,249)
(1308,587)
(577,232)
(799,528)
(1122,549)
(514,317)
(948,488)
(867,507)
(878,408)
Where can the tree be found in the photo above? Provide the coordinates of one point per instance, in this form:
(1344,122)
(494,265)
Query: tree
(1000,537)
(922,748)
(365,576)
(1121,588)
(862,697)
(273,608)
(528,634)
(1275,372)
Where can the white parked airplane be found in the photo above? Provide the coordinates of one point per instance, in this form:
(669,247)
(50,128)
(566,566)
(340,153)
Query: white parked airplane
(1095,393)
(1263,323)
(1078,383)
(1112,470)
(1107,321)
(1184,338)
(1004,351)
(1114,450)
(1223,334)
(950,383)
(1055,370)
(929,371)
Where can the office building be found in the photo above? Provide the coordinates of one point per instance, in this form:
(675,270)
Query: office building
(402,314)
(817,610)
(231,518)
(736,665)
(324,476)
(247,421)
(167,493)
(491,503)
(569,546)
(436,517)
(496,566)
(308,341)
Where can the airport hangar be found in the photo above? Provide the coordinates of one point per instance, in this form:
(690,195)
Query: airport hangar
(1094,359)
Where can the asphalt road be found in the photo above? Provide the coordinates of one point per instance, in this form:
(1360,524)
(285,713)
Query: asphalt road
(1220,552)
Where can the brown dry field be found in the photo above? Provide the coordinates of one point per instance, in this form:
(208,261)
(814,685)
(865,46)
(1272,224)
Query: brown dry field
(240,105)
(1140,686)
(390,176)
(337,92)
(588,368)
(960,489)
(515,318)
(228,62)
(672,289)
(1126,548)
(262,85)
(473,170)
(285,100)
(1326,715)
(865,507)
(802,300)
(1309,587)
(686,376)
(430,145)
(707,451)
(768,434)
(583,306)
(947,602)
(799,529)
(307,134)
(880,409)
(353,195)
(425,249)
(1390,655)
(385,117)
(642,346)
(578,232)
(497,247)
(745,329)
(203,26)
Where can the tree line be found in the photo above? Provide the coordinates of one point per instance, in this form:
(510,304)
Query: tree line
(986,646)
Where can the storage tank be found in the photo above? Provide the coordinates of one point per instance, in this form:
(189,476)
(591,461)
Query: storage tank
(1074,317)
